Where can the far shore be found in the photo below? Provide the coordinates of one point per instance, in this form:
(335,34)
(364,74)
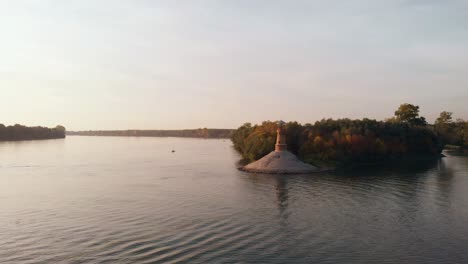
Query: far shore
(185,133)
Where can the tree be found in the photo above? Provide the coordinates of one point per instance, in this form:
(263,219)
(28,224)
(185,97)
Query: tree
(240,135)
(444,118)
(445,129)
(465,135)
(60,131)
(408,113)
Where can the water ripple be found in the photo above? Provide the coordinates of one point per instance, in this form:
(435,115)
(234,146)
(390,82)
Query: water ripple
(140,205)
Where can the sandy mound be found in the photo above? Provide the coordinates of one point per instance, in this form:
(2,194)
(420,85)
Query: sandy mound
(280,162)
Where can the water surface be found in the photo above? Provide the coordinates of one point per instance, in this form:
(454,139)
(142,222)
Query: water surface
(131,200)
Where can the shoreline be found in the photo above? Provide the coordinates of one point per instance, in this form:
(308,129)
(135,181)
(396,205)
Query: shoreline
(130,136)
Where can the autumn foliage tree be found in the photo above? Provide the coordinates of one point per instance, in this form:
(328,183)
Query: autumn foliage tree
(408,113)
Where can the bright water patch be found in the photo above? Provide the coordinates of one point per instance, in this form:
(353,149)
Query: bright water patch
(131,200)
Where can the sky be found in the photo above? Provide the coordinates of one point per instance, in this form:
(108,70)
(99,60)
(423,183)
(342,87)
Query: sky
(140,64)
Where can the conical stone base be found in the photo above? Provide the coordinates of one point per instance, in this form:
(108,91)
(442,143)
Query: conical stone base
(280,162)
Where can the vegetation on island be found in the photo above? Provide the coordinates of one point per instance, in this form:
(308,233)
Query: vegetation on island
(192,133)
(340,142)
(451,132)
(20,132)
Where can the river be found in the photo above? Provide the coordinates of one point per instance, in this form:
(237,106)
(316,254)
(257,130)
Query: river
(133,200)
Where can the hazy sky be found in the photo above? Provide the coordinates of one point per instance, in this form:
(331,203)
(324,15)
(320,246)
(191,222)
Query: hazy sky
(110,64)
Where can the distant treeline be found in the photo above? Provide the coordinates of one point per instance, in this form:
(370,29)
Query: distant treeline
(192,133)
(344,141)
(19,132)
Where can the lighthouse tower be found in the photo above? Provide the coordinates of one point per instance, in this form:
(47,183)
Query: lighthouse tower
(281,138)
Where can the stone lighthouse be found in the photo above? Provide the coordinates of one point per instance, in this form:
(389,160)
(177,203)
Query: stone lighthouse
(280,161)
(281,137)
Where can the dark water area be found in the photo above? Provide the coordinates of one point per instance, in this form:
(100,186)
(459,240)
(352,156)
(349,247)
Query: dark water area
(131,200)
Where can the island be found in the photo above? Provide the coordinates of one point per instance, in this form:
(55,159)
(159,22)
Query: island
(331,143)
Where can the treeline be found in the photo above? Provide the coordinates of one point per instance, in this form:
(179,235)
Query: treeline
(345,141)
(19,132)
(192,133)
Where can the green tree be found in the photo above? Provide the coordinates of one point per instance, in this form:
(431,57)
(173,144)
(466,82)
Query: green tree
(240,135)
(408,113)
(380,147)
(445,129)
(465,135)
(444,118)
(60,131)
